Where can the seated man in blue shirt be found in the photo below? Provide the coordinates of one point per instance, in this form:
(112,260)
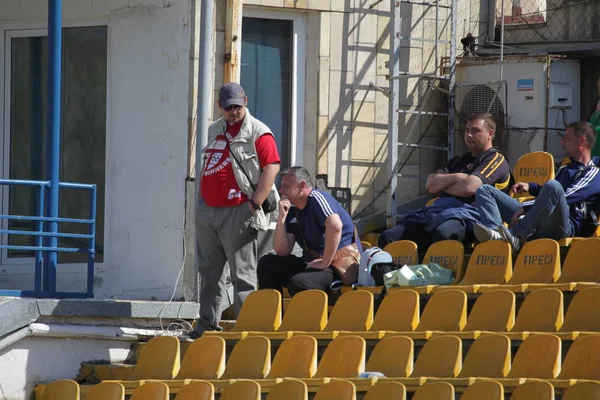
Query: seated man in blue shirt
(561,206)
(452,215)
(318,223)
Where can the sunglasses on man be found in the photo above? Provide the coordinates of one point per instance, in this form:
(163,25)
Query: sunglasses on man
(232,107)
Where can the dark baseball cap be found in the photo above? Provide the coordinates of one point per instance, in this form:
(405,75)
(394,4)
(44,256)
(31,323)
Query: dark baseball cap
(231,94)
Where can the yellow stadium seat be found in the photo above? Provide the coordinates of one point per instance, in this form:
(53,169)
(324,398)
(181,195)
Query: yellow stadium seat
(489,390)
(371,238)
(198,390)
(386,391)
(249,359)
(151,391)
(393,357)
(583,391)
(295,358)
(344,357)
(583,315)
(537,167)
(435,391)
(291,389)
(61,390)
(579,269)
(365,245)
(445,311)
(353,311)
(488,357)
(261,312)
(399,311)
(336,390)
(440,357)
(582,362)
(307,311)
(204,359)
(538,262)
(107,391)
(541,311)
(490,263)
(403,252)
(492,312)
(449,254)
(535,391)
(241,390)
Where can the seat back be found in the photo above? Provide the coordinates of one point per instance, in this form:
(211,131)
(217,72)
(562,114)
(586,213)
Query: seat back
(365,245)
(435,391)
(291,389)
(403,252)
(307,312)
(538,262)
(491,262)
(537,167)
(541,311)
(261,312)
(353,311)
(445,311)
(241,390)
(386,391)
(249,359)
(199,390)
(393,357)
(336,390)
(493,311)
(399,311)
(583,313)
(159,359)
(535,391)
(488,390)
(582,360)
(295,358)
(488,357)
(106,391)
(580,263)
(344,357)
(61,390)
(583,391)
(204,359)
(449,254)
(539,357)
(440,357)
(151,391)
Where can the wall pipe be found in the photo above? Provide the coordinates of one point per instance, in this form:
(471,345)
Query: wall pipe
(491,36)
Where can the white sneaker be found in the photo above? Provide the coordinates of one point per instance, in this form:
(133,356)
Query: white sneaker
(483,233)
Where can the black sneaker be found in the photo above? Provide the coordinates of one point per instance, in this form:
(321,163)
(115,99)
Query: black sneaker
(483,233)
(511,238)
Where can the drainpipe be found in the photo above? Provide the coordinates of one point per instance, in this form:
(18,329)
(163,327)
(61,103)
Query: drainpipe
(14,337)
(205,55)
(491,20)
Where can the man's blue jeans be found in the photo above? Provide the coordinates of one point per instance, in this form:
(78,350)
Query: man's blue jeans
(548,217)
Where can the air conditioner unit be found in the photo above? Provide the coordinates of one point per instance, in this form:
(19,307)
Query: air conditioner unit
(530,111)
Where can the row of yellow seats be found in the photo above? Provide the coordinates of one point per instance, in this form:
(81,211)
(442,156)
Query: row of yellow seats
(399,313)
(537,265)
(440,360)
(334,390)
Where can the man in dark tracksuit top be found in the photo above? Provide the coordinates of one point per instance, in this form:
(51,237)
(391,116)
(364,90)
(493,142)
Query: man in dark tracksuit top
(452,215)
(318,223)
(561,206)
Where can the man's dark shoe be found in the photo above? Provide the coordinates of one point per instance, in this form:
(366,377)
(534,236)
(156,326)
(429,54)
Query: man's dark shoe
(511,238)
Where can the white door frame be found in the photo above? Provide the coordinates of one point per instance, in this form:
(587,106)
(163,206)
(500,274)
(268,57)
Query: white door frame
(298,74)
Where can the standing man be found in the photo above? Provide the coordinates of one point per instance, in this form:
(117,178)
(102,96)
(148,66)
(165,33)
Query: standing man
(319,224)
(452,215)
(229,211)
(561,206)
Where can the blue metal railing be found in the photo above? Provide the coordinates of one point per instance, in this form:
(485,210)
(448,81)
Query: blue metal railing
(46,250)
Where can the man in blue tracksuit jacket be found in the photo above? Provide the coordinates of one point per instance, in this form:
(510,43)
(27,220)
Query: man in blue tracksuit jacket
(561,207)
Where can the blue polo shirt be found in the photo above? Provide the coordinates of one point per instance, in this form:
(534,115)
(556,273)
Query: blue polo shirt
(311,221)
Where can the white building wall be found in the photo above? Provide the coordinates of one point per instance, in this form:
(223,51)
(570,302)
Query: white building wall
(146,136)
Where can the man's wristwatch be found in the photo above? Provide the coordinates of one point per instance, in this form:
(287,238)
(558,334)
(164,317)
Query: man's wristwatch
(254,204)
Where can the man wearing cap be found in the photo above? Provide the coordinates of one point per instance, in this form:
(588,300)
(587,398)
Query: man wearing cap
(229,210)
